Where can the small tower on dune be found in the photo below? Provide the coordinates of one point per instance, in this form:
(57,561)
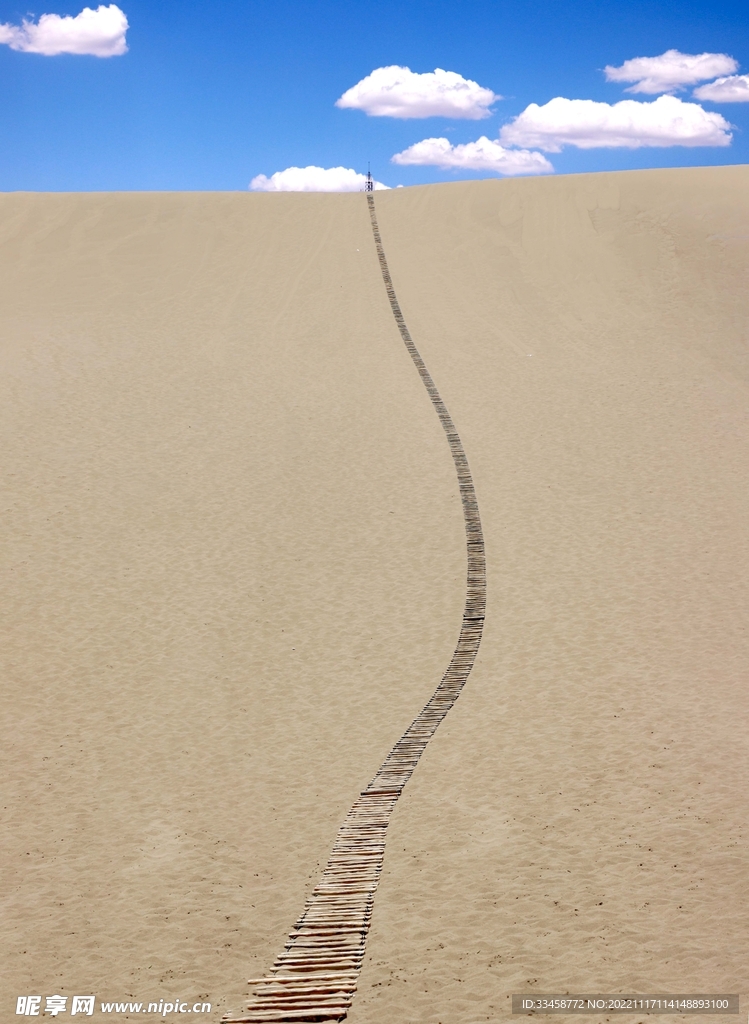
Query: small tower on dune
(369,184)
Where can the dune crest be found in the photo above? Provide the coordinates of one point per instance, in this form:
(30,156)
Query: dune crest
(236,562)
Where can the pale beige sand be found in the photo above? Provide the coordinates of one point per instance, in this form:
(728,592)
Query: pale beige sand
(235,563)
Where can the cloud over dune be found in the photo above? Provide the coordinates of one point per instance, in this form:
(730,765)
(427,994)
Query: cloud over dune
(631,124)
(734,89)
(399,92)
(482,155)
(99,33)
(672,70)
(313,179)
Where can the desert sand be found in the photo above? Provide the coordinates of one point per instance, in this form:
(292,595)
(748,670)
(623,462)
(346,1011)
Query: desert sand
(234,571)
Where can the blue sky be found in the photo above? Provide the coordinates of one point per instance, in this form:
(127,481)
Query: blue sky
(209,96)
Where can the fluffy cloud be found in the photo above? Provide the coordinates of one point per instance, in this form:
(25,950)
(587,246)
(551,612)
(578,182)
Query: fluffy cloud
(482,155)
(587,124)
(672,70)
(100,33)
(734,89)
(312,179)
(399,92)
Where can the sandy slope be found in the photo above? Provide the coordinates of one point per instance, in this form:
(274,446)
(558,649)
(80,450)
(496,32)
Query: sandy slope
(235,562)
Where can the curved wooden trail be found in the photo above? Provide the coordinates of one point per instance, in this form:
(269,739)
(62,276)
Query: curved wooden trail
(314,978)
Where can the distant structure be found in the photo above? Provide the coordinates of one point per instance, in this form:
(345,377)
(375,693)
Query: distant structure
(369,185)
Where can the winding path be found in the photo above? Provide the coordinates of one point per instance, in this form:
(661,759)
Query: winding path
(315,977)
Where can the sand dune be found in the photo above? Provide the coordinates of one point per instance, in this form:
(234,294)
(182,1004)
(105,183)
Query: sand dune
(236,569)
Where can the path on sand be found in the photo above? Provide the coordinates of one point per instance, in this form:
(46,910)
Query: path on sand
(315,976)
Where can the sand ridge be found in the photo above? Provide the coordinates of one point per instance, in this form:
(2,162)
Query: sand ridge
(235,568)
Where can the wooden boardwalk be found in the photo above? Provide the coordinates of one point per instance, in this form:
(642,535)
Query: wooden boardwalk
(314,978)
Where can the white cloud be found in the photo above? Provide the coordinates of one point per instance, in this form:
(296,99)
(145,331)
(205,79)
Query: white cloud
(313,179)
(587,124)
(100,33)
(399,92)
(734,89)
(482,155)
(672,70)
